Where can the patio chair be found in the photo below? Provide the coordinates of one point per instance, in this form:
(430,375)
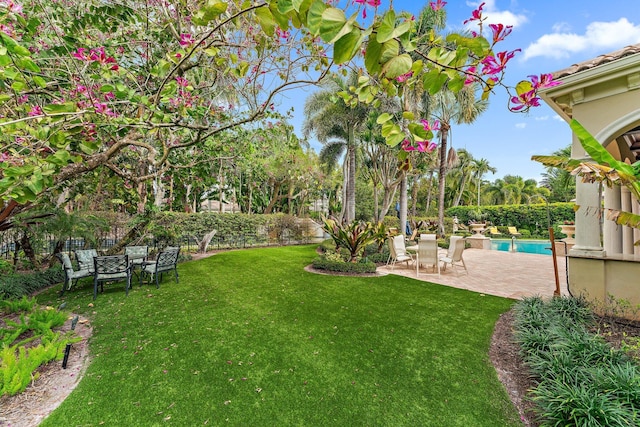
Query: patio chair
(111,268)
(493,231)
(514,231)
(70,275)
(398,251)
(454,254)
(427,253)
(137,257)
(85,259)
(167,260)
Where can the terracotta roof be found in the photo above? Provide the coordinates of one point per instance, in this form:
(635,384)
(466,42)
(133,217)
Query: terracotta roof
(597,61)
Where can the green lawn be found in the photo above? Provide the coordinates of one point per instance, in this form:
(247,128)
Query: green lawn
(250,338)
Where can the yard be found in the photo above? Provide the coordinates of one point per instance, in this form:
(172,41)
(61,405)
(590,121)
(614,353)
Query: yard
(249,337)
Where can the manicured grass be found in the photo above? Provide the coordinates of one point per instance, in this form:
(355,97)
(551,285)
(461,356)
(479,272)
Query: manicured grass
(250,338)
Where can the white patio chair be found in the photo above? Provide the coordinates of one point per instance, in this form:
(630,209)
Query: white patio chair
(398,251)
(454,255)
(427,254)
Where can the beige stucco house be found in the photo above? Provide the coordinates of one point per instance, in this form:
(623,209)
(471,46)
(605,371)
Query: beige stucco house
(603,94)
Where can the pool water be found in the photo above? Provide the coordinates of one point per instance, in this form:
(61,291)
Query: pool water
(527,246)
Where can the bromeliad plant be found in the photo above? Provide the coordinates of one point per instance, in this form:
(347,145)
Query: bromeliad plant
(354,236)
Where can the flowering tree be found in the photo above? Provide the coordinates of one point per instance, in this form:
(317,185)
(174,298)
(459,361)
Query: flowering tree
(126,86)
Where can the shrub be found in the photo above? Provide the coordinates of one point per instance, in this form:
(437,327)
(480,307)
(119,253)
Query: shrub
(326,263)
(15,286)
(582,380)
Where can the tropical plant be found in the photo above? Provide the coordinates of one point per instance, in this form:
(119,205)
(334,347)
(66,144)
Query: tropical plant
(354,236)
(603,168)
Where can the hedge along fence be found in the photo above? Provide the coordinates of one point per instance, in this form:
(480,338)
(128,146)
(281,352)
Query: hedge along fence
(534,217)
(279,228)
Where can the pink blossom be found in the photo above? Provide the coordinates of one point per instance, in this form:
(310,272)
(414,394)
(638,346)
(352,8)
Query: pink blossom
(186,40)
(470,77)
(22,99)
(437,5)
(527,99)
(427,126)
(544,81)
(14,7)
(4,157)
(102,108)
(80,54)
(36,110)
(404,77)
(182,81)
(109,96)
(282,34)
(476,15)
(500,31)
(493,65)
(406,145)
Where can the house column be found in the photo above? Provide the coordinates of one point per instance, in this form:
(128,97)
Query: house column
(587,221)
(612,233)
(635,209)
(627,232)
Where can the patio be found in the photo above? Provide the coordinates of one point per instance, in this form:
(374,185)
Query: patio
(506,274)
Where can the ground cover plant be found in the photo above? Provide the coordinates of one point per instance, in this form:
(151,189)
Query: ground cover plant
(582,380)
(27,341)
(249,337)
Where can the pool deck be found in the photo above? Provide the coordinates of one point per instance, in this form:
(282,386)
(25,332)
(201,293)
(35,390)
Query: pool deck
(513,275)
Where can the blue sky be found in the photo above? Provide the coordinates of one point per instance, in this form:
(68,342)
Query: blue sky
(553,35)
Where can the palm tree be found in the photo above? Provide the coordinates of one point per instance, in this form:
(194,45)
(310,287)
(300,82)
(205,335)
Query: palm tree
(335,125)
(465,169)
(560,182)
(452,108)
(480,168)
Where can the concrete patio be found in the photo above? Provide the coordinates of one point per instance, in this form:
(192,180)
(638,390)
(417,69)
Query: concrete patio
(506,274)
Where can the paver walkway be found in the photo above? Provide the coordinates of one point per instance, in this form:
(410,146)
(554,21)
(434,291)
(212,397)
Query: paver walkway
(507,274)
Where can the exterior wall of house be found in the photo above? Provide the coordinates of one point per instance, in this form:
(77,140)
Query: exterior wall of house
(604,99)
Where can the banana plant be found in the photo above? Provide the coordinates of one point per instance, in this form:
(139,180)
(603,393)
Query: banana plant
(602,167)
(354,236)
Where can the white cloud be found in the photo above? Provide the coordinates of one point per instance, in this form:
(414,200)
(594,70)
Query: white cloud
(495,16)
(521,125)
(558,118)
(598,35)
(541,118)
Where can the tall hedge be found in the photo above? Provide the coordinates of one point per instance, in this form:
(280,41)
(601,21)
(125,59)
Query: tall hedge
(526,217)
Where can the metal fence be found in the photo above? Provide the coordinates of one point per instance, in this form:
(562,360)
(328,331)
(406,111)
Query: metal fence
(9,243)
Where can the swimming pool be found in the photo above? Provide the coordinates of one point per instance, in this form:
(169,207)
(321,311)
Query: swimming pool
(527,246)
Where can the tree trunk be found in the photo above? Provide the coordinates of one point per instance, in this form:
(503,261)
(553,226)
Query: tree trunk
(403,204)
(351,182)
(414,197)
(442,172)
(429,192)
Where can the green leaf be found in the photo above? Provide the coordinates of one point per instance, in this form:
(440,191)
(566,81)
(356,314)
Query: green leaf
(397,66)
(281,19)
(67,107)
(372,56)
(523,86)
(60,158)
(347,46)
(314,16)
(383,118)
(285,6)
(395,138)
(408,115)
(40,81)
(388,30)
(418,132)
(334,25)
(433,81)
(456,84)
(597,151)
(210,11)
(13,46)
(266,21)
(390,50)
